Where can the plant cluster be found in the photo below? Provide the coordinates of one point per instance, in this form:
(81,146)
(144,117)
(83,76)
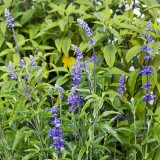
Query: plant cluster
(79,80)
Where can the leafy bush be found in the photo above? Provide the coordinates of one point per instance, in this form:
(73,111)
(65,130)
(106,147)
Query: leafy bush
(102,62)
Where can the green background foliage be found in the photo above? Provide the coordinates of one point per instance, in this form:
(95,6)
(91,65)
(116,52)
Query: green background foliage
(46,29)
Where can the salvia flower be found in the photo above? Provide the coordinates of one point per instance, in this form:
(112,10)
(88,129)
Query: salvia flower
(56,133)
(9,19)
(148,26)
(146,70)
(23,62)
(93,59)
(147,86)
(78,52)
(73,100)
(12,74)
(76,69)
(120,117)
(85,27)
(59,88)
(148,97)
(10,65)
(32,59)
(121,85)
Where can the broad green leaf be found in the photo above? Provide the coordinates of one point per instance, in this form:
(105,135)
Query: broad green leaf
(3,27)
(132,80)
(58,43)
(110,130)
(81,152)
(152,6)
(33,30)
(66,45)
(109,53)
(115,70)
(60,81)
(63,23)
(27,15)
(128,26)
(149,3)
(7,3)
(59,69)
(132,52)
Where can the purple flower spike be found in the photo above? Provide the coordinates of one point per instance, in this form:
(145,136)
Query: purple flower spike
(147,86)
(146,70)
(58,144)
(93,59)
(34,63)
(78,52)
(23,62)
(148,26)
(10,65)
(148,97)
(12,74)
(9,19)
(72,100)
(121,85)
(59,88)
(54,109)
(84,25)
(56,133)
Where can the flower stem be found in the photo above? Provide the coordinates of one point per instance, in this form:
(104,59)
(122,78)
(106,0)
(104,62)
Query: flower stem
(94,72)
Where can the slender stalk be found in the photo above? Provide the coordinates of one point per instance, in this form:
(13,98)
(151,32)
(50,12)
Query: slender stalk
(74,127)
(94,72)
(90,91)
(91,153)
(59,154)
(60,101)
(17,48)
(135,136)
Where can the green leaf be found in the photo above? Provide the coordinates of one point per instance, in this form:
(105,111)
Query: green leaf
(58,43)
(110,130)
(128,26)
(104,158)
(18,137)
(157,154)
(106,113)
(109,53)
(27,15)
(59,69)
(115,70)
(3,27)
(152,6)
(62,24)
(132,80)
(33,30)
(132,52)
(66,45)
(81,152)
(149,3)
(29,156)
(91,133)
(116,34)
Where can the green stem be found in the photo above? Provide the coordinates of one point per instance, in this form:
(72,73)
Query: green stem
(135,137)
(60,101)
